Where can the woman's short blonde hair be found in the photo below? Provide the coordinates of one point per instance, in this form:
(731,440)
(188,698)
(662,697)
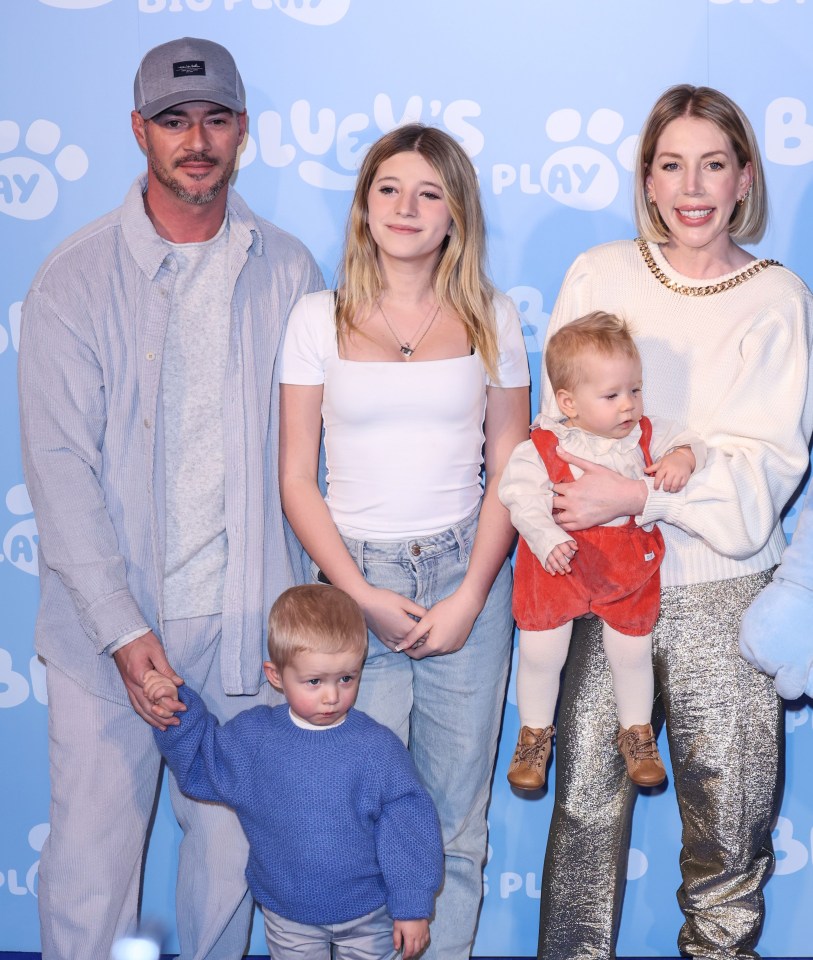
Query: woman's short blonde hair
(597,332)
(749,219)
(460,280)
(314,618)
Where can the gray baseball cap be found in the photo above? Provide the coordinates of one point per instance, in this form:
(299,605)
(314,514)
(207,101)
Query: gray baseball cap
(184,70)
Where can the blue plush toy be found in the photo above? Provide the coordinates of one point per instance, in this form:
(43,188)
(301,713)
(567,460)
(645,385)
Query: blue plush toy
(776,633)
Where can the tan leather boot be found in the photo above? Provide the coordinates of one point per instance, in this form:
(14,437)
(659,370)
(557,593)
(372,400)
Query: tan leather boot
(638,748)
(527,768)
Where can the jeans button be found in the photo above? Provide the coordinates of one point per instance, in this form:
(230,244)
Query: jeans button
(415,550)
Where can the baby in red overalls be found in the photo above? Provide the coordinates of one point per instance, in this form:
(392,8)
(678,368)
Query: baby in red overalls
(610,571)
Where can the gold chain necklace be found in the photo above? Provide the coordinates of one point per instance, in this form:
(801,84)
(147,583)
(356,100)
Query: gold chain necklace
(670,284)
(404,345)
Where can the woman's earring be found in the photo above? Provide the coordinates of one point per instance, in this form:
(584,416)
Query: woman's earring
(651,199)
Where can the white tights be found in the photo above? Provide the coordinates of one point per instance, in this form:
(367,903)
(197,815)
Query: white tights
(542,654)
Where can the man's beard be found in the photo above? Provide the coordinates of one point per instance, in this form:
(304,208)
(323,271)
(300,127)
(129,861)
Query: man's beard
(163,176)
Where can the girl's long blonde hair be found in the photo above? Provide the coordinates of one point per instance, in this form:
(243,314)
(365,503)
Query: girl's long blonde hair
(459,278)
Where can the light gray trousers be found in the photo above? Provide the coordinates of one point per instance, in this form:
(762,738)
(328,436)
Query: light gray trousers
(105,774)
(366,938)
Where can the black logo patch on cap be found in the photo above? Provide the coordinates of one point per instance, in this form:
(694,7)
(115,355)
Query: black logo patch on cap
(189,68)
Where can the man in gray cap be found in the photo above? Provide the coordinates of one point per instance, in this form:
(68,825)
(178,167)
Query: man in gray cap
(149,420)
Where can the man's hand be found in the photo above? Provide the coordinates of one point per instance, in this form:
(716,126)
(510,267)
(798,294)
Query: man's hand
(133,661)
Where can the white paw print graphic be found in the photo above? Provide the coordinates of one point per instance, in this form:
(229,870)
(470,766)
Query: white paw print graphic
(528,301)
(36,839)
(637,864)
(584,177)
(13,685)
(12,336)
(20,542)
(791,854)
(28,189)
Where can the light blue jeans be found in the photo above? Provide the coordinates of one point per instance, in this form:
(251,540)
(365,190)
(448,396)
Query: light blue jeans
(447,710)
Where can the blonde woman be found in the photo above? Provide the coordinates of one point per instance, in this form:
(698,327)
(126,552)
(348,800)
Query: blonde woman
(416,369)
(725,341)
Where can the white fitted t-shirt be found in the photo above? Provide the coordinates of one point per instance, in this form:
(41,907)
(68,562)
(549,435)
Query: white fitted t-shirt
(403,441)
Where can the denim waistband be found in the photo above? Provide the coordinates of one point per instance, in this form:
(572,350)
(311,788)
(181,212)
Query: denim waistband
(417,549)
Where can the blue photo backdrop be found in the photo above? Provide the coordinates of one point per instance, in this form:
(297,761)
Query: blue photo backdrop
(547,96)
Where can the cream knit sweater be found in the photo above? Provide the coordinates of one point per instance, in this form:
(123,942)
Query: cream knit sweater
(734,366)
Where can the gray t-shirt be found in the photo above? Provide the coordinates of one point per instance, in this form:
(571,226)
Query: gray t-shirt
(193,376)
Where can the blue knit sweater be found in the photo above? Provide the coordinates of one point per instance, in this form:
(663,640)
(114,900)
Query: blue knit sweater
(337,822)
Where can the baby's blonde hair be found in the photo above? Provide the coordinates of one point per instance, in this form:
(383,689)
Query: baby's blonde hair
(597,331)
(314,618)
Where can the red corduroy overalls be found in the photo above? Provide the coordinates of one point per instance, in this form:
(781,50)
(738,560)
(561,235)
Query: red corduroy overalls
(614,573)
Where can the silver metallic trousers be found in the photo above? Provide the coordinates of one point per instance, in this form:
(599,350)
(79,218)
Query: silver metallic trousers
(726,739)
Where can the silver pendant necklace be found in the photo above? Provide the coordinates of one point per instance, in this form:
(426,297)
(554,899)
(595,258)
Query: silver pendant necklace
(405,346)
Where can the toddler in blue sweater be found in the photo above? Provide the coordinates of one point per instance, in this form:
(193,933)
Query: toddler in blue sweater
(344,842)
